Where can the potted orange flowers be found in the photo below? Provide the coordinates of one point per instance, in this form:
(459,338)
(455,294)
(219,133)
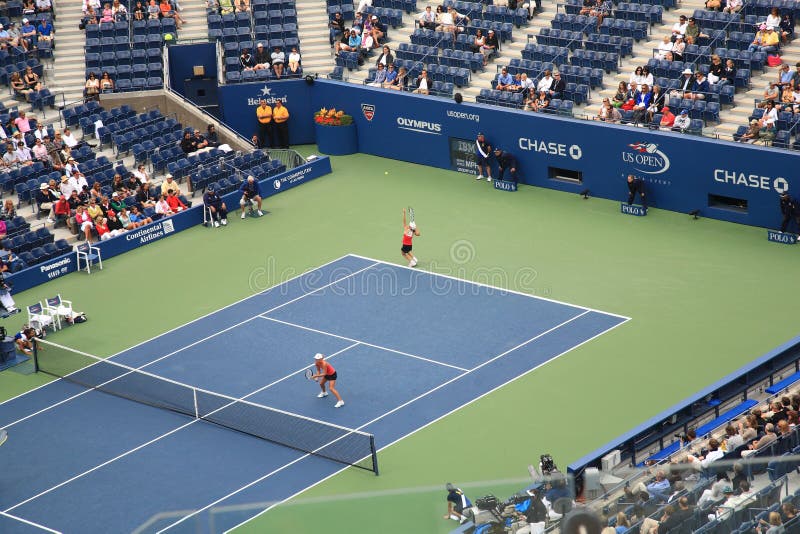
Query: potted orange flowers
(335,132)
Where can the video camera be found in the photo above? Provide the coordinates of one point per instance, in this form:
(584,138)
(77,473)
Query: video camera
(547,465)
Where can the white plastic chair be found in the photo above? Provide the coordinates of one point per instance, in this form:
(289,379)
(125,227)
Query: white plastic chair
(39,318)
(59,308)
(88,255)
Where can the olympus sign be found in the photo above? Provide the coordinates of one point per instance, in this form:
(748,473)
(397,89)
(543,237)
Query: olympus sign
(433,128)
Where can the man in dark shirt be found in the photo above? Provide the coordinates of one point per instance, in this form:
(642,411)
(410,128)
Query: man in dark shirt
(246,60)
(457,502)
(790,211)
(483,151)
(74,200)
(336,26)
(188,143)
(506,161)
(558,86)
(636,185)
(212,201)
(113,223)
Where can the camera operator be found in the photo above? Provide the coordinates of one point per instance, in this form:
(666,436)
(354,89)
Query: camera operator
(535,515)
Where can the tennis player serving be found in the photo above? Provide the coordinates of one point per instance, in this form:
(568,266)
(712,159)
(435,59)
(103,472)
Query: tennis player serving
(410,231)
(326,375)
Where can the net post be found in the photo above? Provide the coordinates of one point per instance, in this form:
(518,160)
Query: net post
(374,454)
(196,410)
(35,355)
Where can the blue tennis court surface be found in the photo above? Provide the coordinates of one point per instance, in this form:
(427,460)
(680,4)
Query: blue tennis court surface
(409,348)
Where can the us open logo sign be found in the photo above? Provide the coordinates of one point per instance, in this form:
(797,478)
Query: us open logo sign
(368,110)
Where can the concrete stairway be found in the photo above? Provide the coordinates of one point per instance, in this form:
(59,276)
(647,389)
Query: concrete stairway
(68,69)
(312,28)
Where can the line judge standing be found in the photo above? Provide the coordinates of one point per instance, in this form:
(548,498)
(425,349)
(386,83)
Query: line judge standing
(483,151)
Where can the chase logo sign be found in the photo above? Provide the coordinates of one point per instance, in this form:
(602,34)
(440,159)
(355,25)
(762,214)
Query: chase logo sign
(425,127)
(368,110)
(755,181)
(265,93)
(646,158)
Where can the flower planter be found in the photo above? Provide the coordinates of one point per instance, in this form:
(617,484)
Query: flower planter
(336,140)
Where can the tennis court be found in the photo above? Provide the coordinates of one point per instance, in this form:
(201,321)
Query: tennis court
(409,347)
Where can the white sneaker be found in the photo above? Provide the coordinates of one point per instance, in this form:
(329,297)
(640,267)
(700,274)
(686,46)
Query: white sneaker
(414,263)
(224,222)
(322,395)
(216,224)
(260,213)
(488,178)
(339,404)
(411,264)
(50,221)
(244,215)
(480,177)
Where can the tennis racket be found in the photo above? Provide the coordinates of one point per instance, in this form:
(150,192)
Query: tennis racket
(3,436)
(310,375)
(410,214)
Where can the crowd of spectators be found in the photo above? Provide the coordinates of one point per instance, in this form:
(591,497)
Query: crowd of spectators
(277,61)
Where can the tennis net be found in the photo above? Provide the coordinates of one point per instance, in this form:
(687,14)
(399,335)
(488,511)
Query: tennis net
(341,444)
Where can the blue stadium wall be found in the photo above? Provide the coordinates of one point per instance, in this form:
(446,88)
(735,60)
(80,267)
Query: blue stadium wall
(682,173)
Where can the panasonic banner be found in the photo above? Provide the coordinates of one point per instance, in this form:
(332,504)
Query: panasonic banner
(724,180)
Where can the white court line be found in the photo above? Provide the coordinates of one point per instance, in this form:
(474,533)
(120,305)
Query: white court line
(310,486)
(31,523)
(420,396)
(287,323)
(480,284)
(143,445)
(209,314)
(63,401)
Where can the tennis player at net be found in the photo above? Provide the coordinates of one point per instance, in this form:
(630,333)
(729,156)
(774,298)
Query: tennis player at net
(326,375)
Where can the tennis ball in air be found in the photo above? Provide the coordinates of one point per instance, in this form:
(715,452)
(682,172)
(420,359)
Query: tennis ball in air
(385,172)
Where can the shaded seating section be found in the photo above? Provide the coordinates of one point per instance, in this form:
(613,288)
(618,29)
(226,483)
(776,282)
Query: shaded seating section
(131,52)
(271,22)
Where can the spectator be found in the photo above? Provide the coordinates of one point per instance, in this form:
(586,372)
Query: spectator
(200,142)
(29,34)
(699,87)
(766,40)
(767,439)
(733,6)
(45,29)
(280,115)
(540,103)
(251,192)
(716,72)
(558,86)
(167,12)
(773,526)
(504,80)
(446,21)
(693,32)
(363,4)
(44,201)
(211,136)
(491,46)
(119,11)
(9,211)
(422,83)
(40,153)
(145,196)
(385,57)
(667,118)
(32,82)
(771,94)
(586,8)
(265,127)
(139,13)
(96,191)
(246,60)
(678,48)
(106,83)
(785,78)
(657,101)
(734,503)
(23,153)
(101,228)
(115,227)
(44,6)
(620,96)
(336,27)
(352,45)
(61,211)
(261,59)
(641,103)
(666,46)
(175,202)
(506,162)
(188,143)
(601,10)
(682,121)
(294,61)
(659,488)
(18,86)
(71,167)
(773,18)
(380,77)
(125,220)
(637,76)
(788,512)
(278,58)
(170,185)
(218,209)
(786,28)
(716,492)
(732,438)
(117,202)
(770,116)
(378,31)
(608,113)
(478,43)
(242,6)
(457,502)
(91,89)
(137,218)
(401,82)
(427,19)
(153,11)
(141,174)
(679,28)
(391,76)
(713,5)
(84,222)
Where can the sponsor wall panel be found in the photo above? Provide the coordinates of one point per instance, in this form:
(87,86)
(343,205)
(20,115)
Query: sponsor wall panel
(57,267)
(680,171)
